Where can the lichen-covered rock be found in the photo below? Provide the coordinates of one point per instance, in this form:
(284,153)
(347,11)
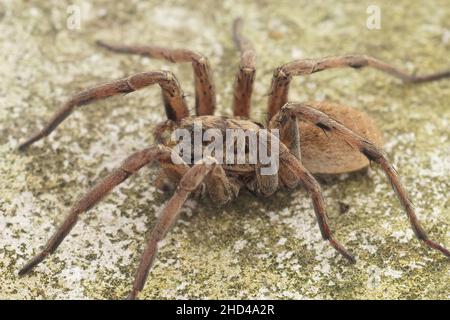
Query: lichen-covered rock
(252,248)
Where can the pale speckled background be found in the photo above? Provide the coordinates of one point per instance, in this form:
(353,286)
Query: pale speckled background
(252,248)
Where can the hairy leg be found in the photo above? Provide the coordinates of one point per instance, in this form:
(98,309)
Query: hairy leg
(290,137)
(221,189)
(282,76)
(372,152)
(205,94)
(267,174)
(174,102)
(131,165)
(322,155)
(245,77)
(296,168)
(190,181)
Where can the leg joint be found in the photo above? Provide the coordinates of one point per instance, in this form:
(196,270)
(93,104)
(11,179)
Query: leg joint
(357,62)
(281,74)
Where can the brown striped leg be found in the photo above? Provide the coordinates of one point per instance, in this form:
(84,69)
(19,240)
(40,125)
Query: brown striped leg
(131,165)
(297,169)
(372,152)
(205,94)
(282,76)
(245,77)
(190,181)
(174,102)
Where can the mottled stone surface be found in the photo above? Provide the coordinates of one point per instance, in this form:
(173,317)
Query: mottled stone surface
(252,248)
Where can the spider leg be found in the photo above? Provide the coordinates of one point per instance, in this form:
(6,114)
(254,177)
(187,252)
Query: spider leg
(282,76)
(174,101)
(290,137)
(372,152)
(131,165)
(221,188)
(190,181)
(205,95)
(245,77)
(266,171)
(297,169)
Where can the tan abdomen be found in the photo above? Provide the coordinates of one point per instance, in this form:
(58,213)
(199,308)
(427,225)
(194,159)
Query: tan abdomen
(322,154)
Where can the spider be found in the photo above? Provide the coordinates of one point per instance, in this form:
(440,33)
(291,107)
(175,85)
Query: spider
(300,128)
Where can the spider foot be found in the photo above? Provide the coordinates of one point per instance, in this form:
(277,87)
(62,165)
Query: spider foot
(24,145)
(437,246)
(31,264)
(347,255)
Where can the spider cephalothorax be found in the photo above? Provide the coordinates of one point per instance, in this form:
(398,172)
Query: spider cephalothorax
(301,146)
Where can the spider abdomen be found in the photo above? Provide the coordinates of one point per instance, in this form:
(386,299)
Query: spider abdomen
(323,155)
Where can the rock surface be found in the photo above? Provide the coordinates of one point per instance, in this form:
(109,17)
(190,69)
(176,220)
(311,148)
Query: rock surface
(252,248)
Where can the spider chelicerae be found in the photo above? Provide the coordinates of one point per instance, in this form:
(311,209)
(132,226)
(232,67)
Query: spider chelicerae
(303,148)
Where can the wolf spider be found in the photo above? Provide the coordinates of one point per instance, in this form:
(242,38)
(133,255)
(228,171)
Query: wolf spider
(223,182)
